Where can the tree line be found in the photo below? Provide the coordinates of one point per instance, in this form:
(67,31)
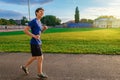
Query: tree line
(48,20)
(7,22)
(22,21)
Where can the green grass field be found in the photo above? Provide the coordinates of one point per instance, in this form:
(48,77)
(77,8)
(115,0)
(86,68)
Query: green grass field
(66,40)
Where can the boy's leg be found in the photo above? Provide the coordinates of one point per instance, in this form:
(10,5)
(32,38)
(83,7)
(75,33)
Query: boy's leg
(30,60)
(24,68)
(40,72)
(40,62)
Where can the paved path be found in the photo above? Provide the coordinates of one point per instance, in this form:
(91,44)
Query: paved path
(62,67)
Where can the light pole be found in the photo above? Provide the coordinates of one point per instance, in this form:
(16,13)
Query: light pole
(29,9)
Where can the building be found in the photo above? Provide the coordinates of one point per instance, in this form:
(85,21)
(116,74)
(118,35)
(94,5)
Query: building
(107,23)
(79,25)
(72,24)
(18,22)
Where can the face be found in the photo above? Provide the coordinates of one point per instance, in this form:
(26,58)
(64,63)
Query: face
(40,13)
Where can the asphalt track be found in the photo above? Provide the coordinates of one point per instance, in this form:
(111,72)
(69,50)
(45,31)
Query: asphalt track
(62,67)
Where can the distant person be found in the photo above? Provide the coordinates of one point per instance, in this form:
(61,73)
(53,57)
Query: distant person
(5,27)
(35,43)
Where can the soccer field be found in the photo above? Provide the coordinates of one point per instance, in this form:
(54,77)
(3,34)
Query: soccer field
(66,40)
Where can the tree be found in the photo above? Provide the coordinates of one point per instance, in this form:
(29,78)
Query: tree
(58,21)
(12,22)
(76,15)
(7,22)
(86,20)
(90,21)
(24,20)
(4,21)
(83,20)
(105,16)
(50,20)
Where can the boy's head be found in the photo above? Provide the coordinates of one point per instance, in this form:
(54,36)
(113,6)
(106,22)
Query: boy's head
(39,11)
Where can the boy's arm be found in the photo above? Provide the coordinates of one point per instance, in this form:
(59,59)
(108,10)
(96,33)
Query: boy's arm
(26,30)
(44,28)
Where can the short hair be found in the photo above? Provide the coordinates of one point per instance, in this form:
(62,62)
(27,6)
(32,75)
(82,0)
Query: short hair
(37,10)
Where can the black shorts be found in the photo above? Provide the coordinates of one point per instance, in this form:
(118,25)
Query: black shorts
(36,50)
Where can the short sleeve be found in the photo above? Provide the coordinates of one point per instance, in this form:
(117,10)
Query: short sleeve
(30,24)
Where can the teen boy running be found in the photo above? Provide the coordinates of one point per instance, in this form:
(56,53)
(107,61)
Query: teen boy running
(35,43)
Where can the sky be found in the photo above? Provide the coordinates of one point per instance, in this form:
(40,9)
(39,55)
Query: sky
(62,9)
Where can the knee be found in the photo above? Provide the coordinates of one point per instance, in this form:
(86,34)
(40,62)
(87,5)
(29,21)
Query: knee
(40,58)
(34,58)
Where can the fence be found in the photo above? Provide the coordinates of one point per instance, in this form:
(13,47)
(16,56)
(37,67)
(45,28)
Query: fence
(5,28)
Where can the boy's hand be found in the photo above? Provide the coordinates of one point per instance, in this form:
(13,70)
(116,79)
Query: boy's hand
(44,28)
(36,36)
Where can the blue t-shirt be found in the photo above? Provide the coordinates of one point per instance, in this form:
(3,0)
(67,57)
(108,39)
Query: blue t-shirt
(36,28)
